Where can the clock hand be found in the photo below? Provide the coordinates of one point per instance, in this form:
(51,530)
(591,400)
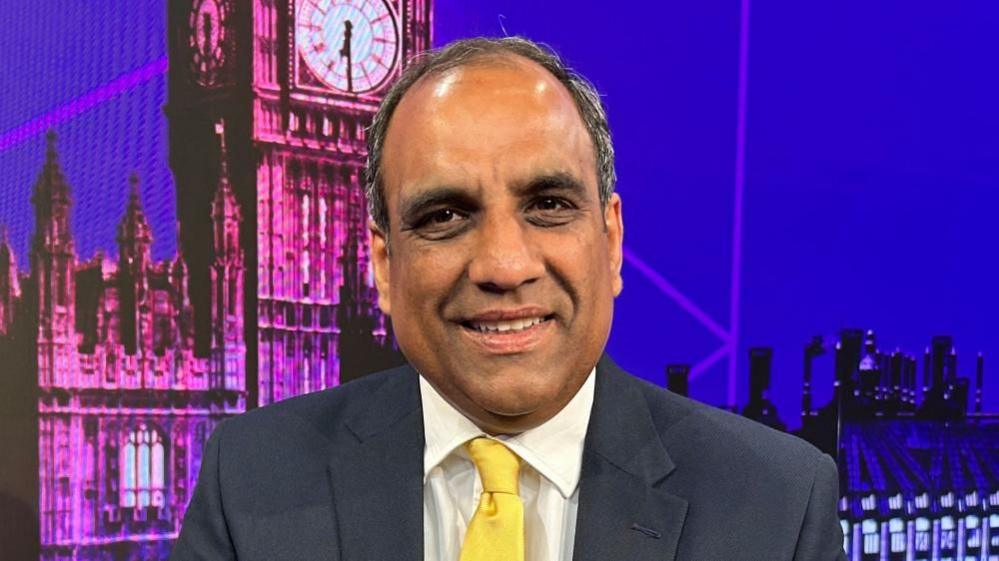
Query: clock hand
(345,51)
(206,31)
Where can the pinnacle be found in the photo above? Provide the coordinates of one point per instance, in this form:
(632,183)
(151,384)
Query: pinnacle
(50,143)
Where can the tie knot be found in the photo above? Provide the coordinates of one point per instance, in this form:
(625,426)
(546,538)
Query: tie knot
(499,467)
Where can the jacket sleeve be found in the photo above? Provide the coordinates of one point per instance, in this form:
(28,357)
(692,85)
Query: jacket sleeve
(204,534)
(821,536)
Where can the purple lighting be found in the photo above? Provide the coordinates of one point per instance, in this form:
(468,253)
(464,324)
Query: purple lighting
(668,289)
(74,107)
(701,367)
(740,180)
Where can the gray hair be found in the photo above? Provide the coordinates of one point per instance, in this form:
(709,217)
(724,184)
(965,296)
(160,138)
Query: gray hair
(467,51)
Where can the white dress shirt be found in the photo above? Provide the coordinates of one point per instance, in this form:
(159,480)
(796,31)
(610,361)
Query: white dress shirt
(549,478)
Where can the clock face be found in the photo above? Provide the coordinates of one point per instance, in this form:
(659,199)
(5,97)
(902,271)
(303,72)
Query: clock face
(349,45)
(208,25)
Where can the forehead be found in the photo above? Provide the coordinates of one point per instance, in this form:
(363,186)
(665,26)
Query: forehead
(488,121)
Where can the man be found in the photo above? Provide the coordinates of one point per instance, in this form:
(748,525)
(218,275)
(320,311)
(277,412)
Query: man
(496,245)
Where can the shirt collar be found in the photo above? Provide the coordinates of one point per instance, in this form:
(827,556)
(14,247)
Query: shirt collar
(554,448)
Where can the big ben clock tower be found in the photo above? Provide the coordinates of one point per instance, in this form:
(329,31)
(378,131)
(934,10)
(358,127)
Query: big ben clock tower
(296,83)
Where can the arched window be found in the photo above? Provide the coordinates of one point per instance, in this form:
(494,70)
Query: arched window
(142,463)
(306,230)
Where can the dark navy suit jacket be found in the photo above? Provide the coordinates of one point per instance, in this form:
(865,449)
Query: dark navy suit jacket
(338,475)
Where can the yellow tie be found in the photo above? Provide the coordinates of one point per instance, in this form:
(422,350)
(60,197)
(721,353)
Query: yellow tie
(496,532)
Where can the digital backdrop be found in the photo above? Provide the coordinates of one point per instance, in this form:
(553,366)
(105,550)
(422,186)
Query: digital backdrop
(810,194)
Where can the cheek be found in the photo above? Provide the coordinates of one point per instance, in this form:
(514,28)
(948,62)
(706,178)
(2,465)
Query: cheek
(421,278)
(585,264)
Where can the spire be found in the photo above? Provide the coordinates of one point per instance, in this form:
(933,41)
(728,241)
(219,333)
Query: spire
(51,187)
(52,202)
(220,130)
(134,227)
(224,203)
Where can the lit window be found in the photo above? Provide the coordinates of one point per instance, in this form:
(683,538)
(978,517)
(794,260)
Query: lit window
(948,537)
(323,209)
(922,534)
(869,502)
(306,264)
(971,499)
(142,469)
(895,501)
(974,534)
(947,501)
(897,528)
(872,540)
(305,267)
(922,501)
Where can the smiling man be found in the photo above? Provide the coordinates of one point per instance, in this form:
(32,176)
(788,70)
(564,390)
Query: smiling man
(496,240)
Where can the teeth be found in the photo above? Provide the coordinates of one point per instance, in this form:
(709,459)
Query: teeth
(506,326)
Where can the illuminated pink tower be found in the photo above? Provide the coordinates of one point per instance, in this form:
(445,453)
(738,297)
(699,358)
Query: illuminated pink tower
(124,405)
(228,271)
(297,83)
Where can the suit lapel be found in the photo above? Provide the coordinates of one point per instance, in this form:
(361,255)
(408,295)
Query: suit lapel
(378,483)
(622,514)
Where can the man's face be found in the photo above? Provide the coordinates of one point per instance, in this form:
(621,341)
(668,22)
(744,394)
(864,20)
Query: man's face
(503,266)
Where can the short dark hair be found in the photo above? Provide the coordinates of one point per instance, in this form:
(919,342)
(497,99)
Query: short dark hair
(467,51)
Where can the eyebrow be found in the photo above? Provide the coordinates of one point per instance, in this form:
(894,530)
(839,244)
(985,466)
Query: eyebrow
(557,181)
(412,208)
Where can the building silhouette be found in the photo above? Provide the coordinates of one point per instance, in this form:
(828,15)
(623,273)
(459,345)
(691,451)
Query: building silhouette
(919,475)
(104,352)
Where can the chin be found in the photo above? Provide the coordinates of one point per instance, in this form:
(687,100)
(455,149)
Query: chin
(517,399)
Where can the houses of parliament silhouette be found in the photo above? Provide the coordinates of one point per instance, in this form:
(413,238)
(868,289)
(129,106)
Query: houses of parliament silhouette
(117,368)
(919,472)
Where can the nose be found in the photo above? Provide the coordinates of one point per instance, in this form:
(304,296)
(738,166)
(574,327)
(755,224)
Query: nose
(504,258)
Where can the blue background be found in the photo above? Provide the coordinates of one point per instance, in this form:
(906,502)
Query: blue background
(870,178)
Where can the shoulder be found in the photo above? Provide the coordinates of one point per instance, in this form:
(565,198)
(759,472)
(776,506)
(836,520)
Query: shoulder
(277,456)
(315,419)
(707,437)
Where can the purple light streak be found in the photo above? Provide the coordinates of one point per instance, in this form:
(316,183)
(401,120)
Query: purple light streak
(740,179)
(711,359)
(671,291)
(88,100)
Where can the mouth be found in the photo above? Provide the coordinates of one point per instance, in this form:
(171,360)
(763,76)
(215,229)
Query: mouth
(506,326)
(504,333)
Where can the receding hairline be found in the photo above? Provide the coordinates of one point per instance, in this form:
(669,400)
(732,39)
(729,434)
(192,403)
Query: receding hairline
(484,60)
(480,60)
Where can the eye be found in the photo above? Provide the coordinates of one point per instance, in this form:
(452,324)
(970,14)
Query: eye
(549,211)
(550,203)
(442,216)
(441,223)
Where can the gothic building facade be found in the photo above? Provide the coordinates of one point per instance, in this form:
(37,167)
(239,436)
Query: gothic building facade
(124,405)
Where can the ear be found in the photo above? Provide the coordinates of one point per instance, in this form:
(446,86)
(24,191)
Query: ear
(614,225)
(378,241)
